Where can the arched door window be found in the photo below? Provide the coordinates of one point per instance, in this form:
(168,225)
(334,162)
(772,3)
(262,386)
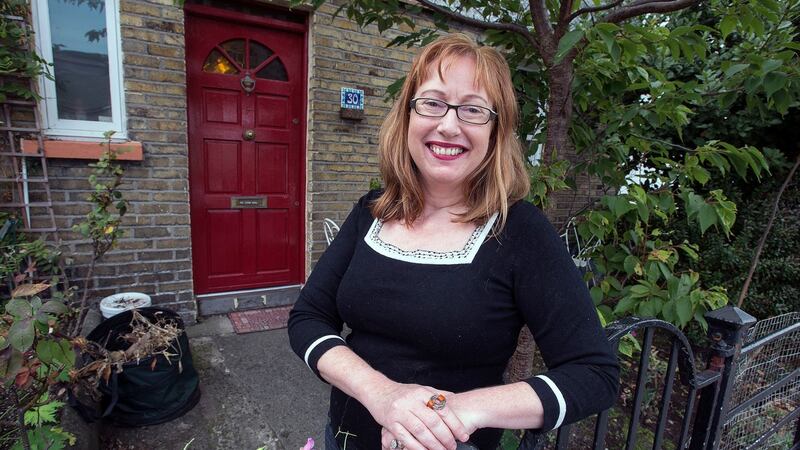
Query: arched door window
(236,56)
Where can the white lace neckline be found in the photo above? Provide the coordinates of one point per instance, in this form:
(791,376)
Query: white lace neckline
(463,256)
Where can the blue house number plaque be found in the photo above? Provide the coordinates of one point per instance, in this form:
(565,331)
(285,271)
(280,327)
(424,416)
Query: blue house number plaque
(352,98)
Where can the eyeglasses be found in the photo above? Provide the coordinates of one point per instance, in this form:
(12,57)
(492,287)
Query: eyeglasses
(473,114)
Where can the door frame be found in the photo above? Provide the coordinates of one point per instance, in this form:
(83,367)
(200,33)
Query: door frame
(300,28)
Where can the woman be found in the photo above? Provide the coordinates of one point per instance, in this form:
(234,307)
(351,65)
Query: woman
(436,275)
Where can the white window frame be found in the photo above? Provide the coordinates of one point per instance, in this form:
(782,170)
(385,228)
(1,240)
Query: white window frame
(55,127)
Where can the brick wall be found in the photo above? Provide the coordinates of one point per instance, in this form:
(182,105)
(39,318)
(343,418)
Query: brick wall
(154,257)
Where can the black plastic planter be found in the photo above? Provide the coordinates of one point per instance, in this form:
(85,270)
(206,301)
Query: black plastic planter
(144,393)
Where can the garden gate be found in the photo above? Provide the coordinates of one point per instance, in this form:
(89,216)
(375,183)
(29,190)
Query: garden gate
(748,397)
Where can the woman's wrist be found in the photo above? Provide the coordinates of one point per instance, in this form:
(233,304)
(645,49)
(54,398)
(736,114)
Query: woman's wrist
(466,406)
(372,389)
(511,406)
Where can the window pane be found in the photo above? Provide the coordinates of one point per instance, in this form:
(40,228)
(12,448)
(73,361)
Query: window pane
(273,71)
(258,54)
(80,60)
(235,49)
(216,62)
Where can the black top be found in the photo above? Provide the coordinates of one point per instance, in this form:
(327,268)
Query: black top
(450,320)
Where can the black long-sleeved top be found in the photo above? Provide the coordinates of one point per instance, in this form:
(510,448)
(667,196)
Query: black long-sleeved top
(450,320)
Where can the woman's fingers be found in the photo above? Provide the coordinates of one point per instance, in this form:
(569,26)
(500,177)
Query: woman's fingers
(400,438)
(430,430)
(456,427)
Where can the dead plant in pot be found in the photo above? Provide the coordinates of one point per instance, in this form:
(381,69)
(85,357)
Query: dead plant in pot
(138,364)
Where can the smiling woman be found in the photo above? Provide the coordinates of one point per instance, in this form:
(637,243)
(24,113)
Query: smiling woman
(436,275)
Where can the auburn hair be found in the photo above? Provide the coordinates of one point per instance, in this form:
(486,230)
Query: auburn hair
(499,180)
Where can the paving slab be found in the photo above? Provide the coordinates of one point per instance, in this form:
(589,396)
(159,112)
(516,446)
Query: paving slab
(255,393)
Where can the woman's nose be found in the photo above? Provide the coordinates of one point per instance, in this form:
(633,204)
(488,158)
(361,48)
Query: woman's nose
(449,124)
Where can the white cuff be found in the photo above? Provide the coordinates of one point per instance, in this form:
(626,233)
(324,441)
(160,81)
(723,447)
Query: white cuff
(562,405)
(316,343)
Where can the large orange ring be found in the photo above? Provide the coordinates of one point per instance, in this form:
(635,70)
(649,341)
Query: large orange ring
(436,402)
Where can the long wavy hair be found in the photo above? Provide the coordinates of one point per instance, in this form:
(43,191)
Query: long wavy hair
(498,181)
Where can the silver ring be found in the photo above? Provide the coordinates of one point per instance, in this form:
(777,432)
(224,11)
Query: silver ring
(396,443)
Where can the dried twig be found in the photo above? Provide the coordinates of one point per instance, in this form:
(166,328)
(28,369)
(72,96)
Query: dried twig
(146,338)
(763,240)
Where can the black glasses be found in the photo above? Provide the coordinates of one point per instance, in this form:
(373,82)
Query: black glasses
(473,114)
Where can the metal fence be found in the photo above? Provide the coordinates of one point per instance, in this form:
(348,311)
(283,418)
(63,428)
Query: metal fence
(746,397)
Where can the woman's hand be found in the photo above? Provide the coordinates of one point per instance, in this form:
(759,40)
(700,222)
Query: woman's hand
(400,409)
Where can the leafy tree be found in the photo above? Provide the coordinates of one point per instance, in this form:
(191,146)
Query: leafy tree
(615,86)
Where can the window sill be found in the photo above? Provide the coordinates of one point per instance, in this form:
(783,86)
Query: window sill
(127,151)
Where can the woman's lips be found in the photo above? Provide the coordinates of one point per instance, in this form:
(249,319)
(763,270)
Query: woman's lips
(446,152)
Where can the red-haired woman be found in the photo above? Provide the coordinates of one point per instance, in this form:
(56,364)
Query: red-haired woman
(436,274)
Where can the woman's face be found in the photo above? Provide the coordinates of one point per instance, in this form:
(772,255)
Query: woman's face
(446,149)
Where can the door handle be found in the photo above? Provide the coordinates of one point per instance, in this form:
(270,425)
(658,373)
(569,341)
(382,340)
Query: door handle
(249,135)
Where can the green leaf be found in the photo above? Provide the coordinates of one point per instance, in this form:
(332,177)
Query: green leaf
(771,65)
(683,308)
(54,307)
(68,352)
(597,295)
(639,291)
(625,305)
(607,35)
(43,414)
(630,264)
(669,313)
(626,348)
(728,25)
(727,215)
(628,344)
(567,43)
(684,286)
(14,365)
(47,351)
(21,334)
(773,82)
(19,308)
(652,272)
(734,69)
(700,175)
(614,283)
(707,216)
(649,308)
(602,318)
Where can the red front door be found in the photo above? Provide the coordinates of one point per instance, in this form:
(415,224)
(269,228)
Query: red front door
(246,103)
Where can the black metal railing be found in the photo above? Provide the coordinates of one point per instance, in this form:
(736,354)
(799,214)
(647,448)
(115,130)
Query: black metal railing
(719,399)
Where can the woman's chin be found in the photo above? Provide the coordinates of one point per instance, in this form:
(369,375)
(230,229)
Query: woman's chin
(441,181)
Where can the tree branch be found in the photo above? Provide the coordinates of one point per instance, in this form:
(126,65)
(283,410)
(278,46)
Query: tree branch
(593,9)
(563,13)
(647,6)
(543,30)
(514,28)
(763,239)
(663,142)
